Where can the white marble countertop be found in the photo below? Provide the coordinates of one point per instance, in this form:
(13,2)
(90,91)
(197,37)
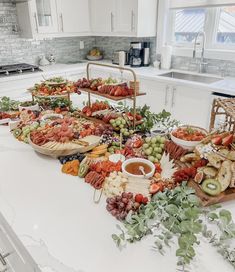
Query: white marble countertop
(54,216)
(226,86)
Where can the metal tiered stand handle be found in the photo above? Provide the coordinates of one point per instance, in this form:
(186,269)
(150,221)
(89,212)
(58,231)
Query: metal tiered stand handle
(116,68)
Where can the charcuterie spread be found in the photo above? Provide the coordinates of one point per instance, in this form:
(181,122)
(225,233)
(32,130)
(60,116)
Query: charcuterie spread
(143,176)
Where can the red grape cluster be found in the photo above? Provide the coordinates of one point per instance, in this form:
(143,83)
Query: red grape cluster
(119,206)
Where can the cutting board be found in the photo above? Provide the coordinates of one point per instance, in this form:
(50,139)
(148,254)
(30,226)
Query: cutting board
(207,200)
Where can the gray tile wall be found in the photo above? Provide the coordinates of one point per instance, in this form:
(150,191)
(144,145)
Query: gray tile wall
(14,49)
(111,44)
(218,67)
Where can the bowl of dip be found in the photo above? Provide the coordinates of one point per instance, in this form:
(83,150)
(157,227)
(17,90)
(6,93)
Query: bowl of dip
(131,167)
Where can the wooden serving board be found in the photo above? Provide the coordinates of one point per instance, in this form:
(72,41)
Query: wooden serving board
(207,200)
(115,98)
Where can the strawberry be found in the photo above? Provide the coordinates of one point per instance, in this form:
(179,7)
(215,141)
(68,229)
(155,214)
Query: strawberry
(217,140)
(227,140)
(139,198)
(145,200)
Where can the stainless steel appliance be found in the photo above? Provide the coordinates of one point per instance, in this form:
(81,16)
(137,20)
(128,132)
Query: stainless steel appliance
(146,54)
(115,57)
(20,68)
(136,54)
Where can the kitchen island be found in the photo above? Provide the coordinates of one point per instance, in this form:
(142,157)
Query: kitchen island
(54,216)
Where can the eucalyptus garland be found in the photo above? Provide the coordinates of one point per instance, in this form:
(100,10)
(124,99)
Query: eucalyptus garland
(177,214)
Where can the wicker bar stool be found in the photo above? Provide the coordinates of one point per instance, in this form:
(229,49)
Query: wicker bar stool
(225,110)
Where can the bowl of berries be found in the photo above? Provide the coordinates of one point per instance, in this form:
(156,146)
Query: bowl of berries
(188,136)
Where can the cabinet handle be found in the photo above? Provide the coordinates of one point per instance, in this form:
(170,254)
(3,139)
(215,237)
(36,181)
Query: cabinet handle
(3,257)
(132,21)
(173,97)
(112,26)
(36,21)
(166,95)
(62,22)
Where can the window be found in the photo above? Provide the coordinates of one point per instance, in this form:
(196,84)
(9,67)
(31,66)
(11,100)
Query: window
(188,22)
(218,23)
(226,26)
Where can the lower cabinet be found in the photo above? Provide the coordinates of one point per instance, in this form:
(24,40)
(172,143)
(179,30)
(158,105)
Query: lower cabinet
(191,105)
(13,255)
(157,95)
(187,104)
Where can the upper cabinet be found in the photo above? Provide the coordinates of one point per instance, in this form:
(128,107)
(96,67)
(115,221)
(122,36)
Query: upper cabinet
(60,18)
(73,16)
(132,18)
(102,16)
(126,12)
(53,18)
(44,13)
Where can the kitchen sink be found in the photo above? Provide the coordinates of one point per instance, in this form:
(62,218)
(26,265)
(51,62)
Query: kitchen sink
(191,77)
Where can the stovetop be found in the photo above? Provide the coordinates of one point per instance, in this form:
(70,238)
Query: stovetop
(19,68)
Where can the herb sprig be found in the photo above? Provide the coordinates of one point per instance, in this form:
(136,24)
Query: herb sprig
(160,120)
(178,214)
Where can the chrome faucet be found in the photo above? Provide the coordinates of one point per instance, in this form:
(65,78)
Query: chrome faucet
(202,63)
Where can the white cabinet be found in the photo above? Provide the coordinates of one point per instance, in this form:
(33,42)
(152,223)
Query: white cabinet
(191,105)
(102,16)
(13,255)
(187,104)
(73,16)
(45,16)
(135,18)
(156,95)
(125,16)
(37,18)
(53,18)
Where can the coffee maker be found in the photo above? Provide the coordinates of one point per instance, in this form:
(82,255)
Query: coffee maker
(136,54)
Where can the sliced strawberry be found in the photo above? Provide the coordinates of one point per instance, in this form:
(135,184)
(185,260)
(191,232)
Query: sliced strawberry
(217,140)
(227,140)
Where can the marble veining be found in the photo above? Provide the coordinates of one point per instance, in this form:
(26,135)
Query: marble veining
(45,260)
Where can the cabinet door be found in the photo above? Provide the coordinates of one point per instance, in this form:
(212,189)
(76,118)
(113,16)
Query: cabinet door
(15,256)
(157,95)
(102,16)
(45,15)
(191,106)
(73,16)
(125,16)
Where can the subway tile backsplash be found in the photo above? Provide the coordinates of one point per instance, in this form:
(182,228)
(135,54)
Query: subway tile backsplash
(111,44)
(217,67)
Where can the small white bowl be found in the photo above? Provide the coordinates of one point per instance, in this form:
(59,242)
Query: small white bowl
(188,145)
(149,175)
(32,108)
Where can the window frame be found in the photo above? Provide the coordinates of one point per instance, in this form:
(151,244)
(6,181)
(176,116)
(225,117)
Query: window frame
(213,50)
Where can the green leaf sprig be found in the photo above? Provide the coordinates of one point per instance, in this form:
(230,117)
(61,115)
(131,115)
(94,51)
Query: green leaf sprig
(178,214)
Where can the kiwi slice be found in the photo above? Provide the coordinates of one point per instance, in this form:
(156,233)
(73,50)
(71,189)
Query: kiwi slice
(17,132)
(211,187)
(83,170)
